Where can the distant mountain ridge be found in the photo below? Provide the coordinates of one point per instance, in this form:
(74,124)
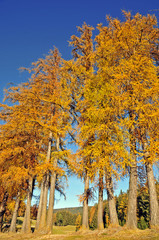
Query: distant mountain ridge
(74,210)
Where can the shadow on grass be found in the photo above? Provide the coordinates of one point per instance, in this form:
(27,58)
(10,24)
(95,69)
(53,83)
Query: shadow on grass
(19,222)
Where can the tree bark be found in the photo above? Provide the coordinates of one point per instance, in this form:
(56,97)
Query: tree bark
(132,195)
(51,203)
(15,214)
(111,200)
(85,204)
(154,208)
(26,227)
(100,203)
(52,195)
(132,198)
(42,224)
(3,209)
(40,205)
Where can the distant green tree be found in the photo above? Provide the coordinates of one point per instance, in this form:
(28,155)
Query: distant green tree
(64,218)
(143,208)
(93,217)
(122,204)
(59,219)
(142,224)
(105,213)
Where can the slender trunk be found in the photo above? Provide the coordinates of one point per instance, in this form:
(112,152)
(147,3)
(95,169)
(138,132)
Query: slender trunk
(111,200)
(154,208)
(51,203)
(15,214)
(3,209)
(40,204)
(132,198)
(85,204)
(100,203)
(42,224)
(132,195)
(26,228)
(52,195)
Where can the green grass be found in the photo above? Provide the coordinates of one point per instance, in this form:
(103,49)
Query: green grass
(20,222)
(69,233)
(56,229)
(64,229)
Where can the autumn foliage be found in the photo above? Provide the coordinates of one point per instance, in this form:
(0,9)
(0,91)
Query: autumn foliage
(105,101)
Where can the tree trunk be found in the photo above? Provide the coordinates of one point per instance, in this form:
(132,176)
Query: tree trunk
(100,203)
(52,195)
(154,208)
(85,204)
(40,204)
(132,198)
(42,224)
(132,195)
(26,227)
(51,203)
(111,200)
(15,214)
(3,209)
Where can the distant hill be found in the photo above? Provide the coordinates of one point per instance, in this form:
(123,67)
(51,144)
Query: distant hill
(74,210)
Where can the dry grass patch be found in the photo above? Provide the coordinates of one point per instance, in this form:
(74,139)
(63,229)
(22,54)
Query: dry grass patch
(64,229)
(68,233)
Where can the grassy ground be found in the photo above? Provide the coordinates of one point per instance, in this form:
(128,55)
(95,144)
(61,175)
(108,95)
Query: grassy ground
(64,229)
(20,221)
(68,233)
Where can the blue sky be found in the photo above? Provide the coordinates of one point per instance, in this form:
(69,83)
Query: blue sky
(29,28)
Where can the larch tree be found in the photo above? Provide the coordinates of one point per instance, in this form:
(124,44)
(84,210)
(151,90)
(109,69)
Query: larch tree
(80,70)
(106,147)
(19,145)
(46,90)
(135,79)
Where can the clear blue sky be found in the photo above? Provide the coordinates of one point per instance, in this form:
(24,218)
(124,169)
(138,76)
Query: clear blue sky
(29,28)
